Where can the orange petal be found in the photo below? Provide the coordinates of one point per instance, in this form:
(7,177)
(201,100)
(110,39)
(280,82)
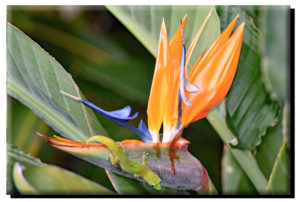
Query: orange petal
(201,115)
(202,61)
(229,74)
(177,36)
(159,88)
(215,78)
(171,113)
(63,142)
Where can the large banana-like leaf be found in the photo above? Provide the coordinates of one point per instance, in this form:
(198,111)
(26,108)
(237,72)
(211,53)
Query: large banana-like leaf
(35,79)
(250,108)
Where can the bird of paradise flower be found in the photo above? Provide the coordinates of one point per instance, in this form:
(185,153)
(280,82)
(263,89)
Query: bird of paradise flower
(178,98)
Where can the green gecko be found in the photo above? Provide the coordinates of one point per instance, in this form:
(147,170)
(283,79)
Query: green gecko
(128,165)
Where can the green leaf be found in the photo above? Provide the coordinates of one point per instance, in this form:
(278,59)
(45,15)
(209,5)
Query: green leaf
(279,181)
(35,78)
(250,108)
(267,151)
(144,23)
(54,180)
(39,178)
(14,155)
(22,185)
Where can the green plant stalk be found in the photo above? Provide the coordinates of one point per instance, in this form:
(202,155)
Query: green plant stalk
(243,157)
(16,90)
(216,120)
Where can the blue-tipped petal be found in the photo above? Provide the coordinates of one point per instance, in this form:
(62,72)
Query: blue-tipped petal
(118,116)
(146,137)
(142,131)
(121,114)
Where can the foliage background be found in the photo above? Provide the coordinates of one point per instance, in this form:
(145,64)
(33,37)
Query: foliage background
(100,53)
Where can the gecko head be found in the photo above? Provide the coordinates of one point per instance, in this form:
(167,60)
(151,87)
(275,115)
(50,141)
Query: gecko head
(156,184)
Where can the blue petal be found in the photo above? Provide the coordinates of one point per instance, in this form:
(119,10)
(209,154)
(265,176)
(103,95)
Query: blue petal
(125,112)
(146,135)
(121,114)
(120,117)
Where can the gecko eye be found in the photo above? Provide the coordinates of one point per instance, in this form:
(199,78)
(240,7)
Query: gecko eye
(156,186)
